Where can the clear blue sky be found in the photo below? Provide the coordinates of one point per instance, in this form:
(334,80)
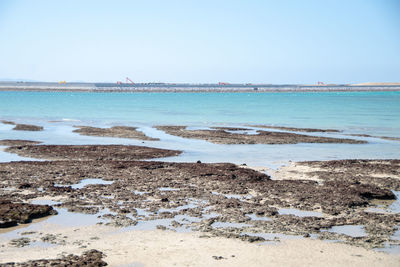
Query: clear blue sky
(288,41)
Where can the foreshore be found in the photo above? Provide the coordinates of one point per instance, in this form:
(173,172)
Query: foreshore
(110,87)
(133,205)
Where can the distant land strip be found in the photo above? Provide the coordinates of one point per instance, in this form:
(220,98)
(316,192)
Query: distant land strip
(181,87)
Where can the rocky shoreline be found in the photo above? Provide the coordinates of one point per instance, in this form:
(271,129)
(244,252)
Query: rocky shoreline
(125,188)
(217,199)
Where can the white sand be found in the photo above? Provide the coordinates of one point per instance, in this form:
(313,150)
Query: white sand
(165,248)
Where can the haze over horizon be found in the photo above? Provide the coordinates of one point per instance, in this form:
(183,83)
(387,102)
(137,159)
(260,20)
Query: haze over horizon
(285,42)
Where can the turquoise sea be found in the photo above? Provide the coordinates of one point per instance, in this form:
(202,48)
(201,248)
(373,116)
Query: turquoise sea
(372,113)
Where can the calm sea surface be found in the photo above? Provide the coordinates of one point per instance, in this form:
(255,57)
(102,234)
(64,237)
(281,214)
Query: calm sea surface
(367,112)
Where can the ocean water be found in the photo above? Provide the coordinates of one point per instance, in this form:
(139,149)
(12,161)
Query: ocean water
(373,113)
(367,112)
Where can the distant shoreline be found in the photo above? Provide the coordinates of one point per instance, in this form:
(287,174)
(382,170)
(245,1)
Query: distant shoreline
(188,87)
(198,89)
(79,90)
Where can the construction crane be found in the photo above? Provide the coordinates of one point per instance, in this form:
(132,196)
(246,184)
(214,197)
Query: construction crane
(129,80)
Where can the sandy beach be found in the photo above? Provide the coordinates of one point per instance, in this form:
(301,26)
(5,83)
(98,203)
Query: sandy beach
(165,248)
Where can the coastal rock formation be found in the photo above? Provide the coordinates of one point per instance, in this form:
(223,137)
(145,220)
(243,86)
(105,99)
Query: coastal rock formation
(225,199)
(116,131)
(91,152)
(12,213)
(23,127)
(7,122)
(380,173)
(223,136)
(91,258)
(27,127)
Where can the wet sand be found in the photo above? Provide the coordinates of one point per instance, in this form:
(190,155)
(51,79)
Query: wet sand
(166,248)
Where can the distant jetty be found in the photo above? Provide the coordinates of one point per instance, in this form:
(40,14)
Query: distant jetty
(187,87)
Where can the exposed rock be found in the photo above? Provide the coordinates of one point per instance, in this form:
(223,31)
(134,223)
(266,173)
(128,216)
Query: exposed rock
(8,122)
(116,131)
(89,258)
(91,152)
(381,173)
(222,136)
(20,242)
(13,213)
(27,127)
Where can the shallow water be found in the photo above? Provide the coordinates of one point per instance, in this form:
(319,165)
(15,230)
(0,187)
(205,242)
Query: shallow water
(395,206)
(258,218)
(229,224)
(6,157)
(63,218)
(235,196)
(371,112)
(274,238)
(271,156)
(350,230)
(386,206)
(168,189)
(90,181)
(300,213)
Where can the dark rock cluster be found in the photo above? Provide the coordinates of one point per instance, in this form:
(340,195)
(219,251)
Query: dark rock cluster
(91,152)
(92,258)
(13,213)
(116,131)
(226,136)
